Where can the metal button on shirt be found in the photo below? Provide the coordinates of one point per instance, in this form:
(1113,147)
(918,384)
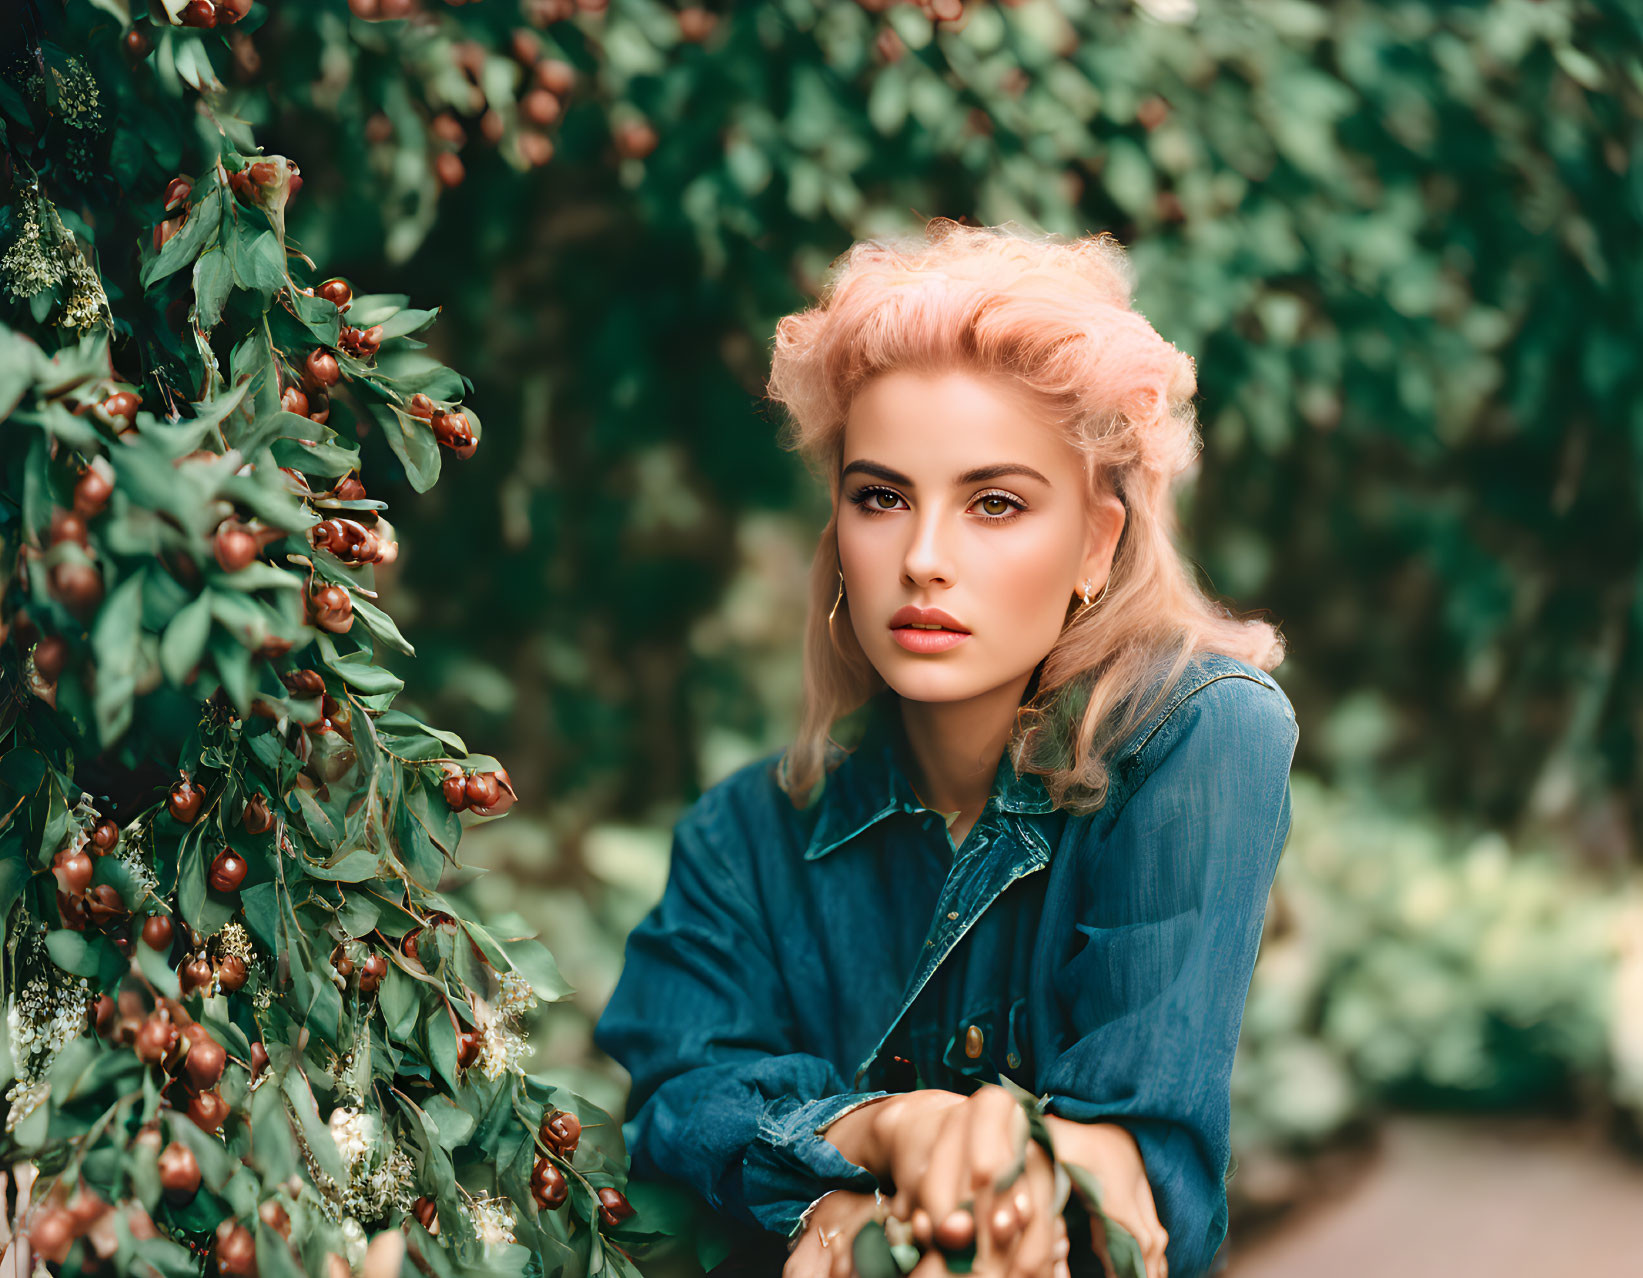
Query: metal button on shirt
(803,962)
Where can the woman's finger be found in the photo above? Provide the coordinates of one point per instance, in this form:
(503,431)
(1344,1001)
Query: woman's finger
(995,1129)
(940,1190)
(1033,1252)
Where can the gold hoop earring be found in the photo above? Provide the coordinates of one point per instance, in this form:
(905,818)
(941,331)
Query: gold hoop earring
(836,602)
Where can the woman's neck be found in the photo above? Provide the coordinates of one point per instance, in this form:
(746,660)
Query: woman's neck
(956,746)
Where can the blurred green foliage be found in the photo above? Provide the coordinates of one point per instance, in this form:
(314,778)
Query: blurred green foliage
(1402,242)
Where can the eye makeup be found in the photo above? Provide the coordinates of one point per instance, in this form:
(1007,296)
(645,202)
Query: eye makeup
(862,497)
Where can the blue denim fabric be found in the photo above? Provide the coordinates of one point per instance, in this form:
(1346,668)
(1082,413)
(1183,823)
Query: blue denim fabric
(802,962)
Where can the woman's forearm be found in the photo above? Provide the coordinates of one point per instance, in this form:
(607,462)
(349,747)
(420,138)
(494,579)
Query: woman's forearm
(866,1135)
(1094,1145)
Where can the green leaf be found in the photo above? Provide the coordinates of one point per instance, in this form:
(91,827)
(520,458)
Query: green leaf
(212,281)
(201,228)
(453,1123)
(194,66)
(402,324)
(259,263)
(412,440)
(399,1003)
(321,458)
(358,670)
(421,856)
(381,625)
(354,866)
(71,952)
(375,308)
(261,906)
(184,641)
(442,1047)
(533,961)
(114,645)
(314,1131)
(273,1144)
(320,317)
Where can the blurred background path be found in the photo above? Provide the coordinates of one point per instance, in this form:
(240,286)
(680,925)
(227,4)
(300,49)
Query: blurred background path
(1449,1197)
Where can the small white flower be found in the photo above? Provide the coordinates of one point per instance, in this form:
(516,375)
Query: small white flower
(501,1050)
(492,1220)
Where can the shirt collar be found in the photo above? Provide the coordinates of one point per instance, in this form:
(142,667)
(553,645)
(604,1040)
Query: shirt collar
(871,783)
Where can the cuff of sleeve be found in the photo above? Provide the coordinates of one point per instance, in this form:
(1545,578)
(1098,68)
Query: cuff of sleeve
(791,1160)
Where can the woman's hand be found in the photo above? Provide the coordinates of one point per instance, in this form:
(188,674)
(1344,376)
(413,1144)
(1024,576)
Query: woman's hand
(946,1157)
(1039,1248)
(827,1244)
(1109,1153)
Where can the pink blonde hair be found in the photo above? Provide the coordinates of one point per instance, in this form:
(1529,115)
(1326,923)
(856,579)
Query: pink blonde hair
(1054,317)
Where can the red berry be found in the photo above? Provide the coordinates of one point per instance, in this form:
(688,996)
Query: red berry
(456,792)
(548,1186)
(231,972)
(337,292)
(184,801)
(555,76)
(78,586)
(137,43)
(179,1172)
(614,1207)
(75,873)
(235,548)
(467,1048)
(236,1250)
(227,871)
(177,192)
(122,404)
(540,107)
(105,834)
(292,400)
(50,656)
(561,1132)
(420,406)
(208,1110)
(66,525)
(156,1036)
(304,683)
(91,492)
(205,1062)
(195,974)
(157,932)
(52,1234)
(321,368)
(482,790)
(448,168)
(199,13)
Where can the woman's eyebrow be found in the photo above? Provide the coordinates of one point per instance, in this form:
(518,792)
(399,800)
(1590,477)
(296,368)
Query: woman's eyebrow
(980,475)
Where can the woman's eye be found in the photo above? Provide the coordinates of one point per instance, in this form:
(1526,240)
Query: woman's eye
(996,505)
(888,499)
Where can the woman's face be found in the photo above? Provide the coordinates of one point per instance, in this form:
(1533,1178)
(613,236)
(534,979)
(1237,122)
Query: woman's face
(957,495)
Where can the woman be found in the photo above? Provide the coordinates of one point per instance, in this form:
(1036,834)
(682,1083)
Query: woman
(1044,867)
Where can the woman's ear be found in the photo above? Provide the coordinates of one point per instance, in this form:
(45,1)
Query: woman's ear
(1107,515)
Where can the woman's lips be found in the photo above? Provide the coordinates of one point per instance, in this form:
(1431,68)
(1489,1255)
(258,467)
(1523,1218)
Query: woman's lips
(916,640)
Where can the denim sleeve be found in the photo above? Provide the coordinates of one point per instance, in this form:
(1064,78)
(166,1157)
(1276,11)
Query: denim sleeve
(1155,993)
(700,1020)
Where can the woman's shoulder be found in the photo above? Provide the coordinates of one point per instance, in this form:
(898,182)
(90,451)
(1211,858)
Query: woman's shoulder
(1218,699)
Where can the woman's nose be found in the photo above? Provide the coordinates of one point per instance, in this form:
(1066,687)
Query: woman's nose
(928,555)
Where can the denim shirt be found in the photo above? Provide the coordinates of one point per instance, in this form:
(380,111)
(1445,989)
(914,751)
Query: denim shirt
(803,962)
